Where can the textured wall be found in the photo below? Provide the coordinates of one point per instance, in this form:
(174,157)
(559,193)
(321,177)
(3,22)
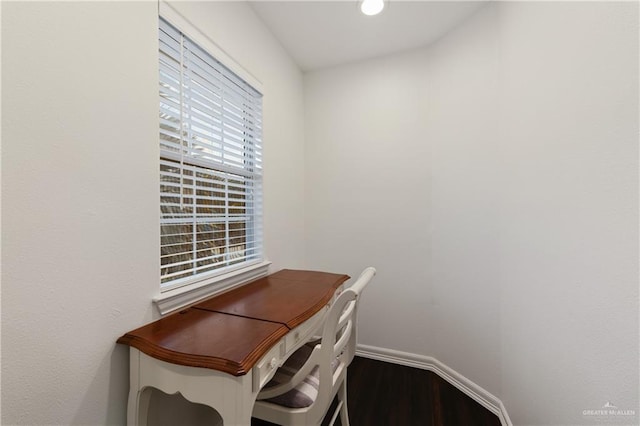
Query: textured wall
(80,238)
(79,189)
(569,208)
(492,178)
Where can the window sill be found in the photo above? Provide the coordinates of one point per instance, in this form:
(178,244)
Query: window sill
(180,297)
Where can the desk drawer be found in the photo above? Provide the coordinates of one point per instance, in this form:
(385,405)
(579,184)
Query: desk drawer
(301,334)
(263,370)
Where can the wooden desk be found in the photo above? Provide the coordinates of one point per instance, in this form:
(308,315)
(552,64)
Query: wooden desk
(220,352)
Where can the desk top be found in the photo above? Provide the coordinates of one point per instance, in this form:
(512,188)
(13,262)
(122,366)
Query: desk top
(232,331)
(287,297)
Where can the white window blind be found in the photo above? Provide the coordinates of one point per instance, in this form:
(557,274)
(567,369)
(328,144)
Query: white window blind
(210,164)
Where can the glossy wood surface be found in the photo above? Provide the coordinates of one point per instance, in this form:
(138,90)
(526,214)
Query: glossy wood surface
(206,339)
(288,297)
(381,393)
(232,331)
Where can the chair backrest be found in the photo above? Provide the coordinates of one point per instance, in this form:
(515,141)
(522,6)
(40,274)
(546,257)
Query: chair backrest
(328,360)
(339,338)
(345,309)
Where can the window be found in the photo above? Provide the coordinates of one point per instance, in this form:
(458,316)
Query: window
(210,164)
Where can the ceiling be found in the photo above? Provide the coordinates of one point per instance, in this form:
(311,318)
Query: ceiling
(321,34)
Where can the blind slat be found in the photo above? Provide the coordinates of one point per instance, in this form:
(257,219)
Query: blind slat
(210,165)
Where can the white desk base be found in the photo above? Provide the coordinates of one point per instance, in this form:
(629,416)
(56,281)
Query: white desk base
(231,396)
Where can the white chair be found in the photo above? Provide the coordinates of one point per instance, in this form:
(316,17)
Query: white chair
(302,390)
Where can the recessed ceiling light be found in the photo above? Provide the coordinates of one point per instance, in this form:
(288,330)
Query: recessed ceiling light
(371,7)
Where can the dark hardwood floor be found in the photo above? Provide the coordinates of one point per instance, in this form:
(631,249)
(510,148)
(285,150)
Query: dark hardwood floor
(380,393)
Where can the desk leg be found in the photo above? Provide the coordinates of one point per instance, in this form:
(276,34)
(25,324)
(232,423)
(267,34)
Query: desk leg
(231,396)
(138,406)
(138,402)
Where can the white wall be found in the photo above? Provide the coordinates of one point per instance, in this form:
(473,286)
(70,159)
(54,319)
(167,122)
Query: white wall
(569,203)
(368,201)
(389,161)
(492,179)
(79,189)
(80,192)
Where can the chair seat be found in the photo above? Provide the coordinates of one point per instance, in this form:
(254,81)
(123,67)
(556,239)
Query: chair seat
(306,392)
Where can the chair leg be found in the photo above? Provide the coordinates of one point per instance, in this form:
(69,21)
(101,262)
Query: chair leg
(342,396)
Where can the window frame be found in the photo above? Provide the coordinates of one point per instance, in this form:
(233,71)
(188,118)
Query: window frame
(174,296)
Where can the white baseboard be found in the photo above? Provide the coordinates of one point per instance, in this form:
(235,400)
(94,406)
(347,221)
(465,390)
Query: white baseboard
(477,393)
